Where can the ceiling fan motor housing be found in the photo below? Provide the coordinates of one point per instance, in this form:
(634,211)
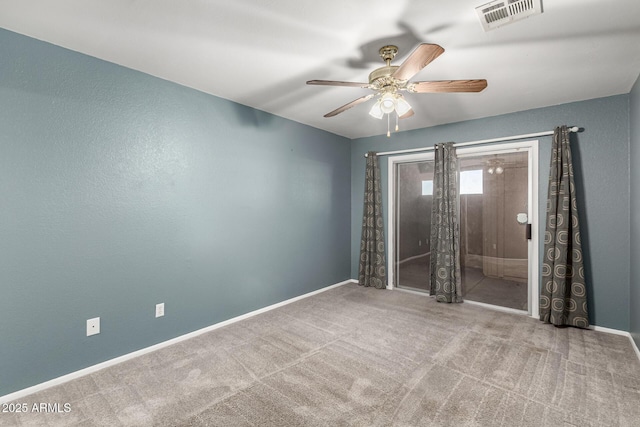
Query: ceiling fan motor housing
(381,77)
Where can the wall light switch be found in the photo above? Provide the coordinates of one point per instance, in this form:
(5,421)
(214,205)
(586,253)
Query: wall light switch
(160,309)
(93,326)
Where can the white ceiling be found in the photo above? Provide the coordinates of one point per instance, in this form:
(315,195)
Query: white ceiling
(261,52)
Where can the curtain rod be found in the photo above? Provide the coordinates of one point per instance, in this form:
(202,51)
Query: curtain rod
(573,129)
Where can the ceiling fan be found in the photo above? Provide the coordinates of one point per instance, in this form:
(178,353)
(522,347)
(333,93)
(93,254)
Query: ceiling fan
(389,81)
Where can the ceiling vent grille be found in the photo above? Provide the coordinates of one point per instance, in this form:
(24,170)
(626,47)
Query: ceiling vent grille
(502,12)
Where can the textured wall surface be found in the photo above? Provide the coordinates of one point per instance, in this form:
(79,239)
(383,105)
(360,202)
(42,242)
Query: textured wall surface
(119,190)
(634,128)
(600,156)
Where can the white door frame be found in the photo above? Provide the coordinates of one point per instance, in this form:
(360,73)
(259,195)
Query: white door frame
(531,147)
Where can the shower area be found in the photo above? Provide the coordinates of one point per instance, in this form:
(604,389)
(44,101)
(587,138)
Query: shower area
(493,215)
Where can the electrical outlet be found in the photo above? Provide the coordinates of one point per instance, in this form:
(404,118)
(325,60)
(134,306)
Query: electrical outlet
(93,326)
(160,309)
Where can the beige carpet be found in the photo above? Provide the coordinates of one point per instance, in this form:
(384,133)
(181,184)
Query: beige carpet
(365,357)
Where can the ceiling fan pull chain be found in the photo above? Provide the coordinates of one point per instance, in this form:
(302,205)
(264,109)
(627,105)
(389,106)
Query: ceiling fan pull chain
(388,131)
(397,128)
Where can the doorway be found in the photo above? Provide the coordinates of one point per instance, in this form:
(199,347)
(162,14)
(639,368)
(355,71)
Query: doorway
(497,216)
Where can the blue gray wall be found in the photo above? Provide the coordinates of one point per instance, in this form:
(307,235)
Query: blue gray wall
(634,137)
(119,190)
(600,156)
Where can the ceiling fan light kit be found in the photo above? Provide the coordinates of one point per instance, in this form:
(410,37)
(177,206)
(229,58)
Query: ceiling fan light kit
(387,103)
(389,81)
(402,106)
(376,110)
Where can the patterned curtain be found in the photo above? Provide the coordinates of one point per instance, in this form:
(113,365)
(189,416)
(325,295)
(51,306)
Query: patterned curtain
(372,251)
(445,231)
(563,299)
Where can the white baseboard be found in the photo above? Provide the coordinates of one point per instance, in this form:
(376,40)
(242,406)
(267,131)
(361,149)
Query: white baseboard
(91,369)
(618,332)
(609,330)
(635,347)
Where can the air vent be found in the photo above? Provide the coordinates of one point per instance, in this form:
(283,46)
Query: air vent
(502,12)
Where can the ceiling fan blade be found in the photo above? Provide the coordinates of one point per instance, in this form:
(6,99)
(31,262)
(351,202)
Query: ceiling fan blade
(407,115)
(336,83)
(419,58)
(345,107)
(448,86)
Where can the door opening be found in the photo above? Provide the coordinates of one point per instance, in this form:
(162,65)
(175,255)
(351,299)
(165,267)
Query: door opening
(497,217)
